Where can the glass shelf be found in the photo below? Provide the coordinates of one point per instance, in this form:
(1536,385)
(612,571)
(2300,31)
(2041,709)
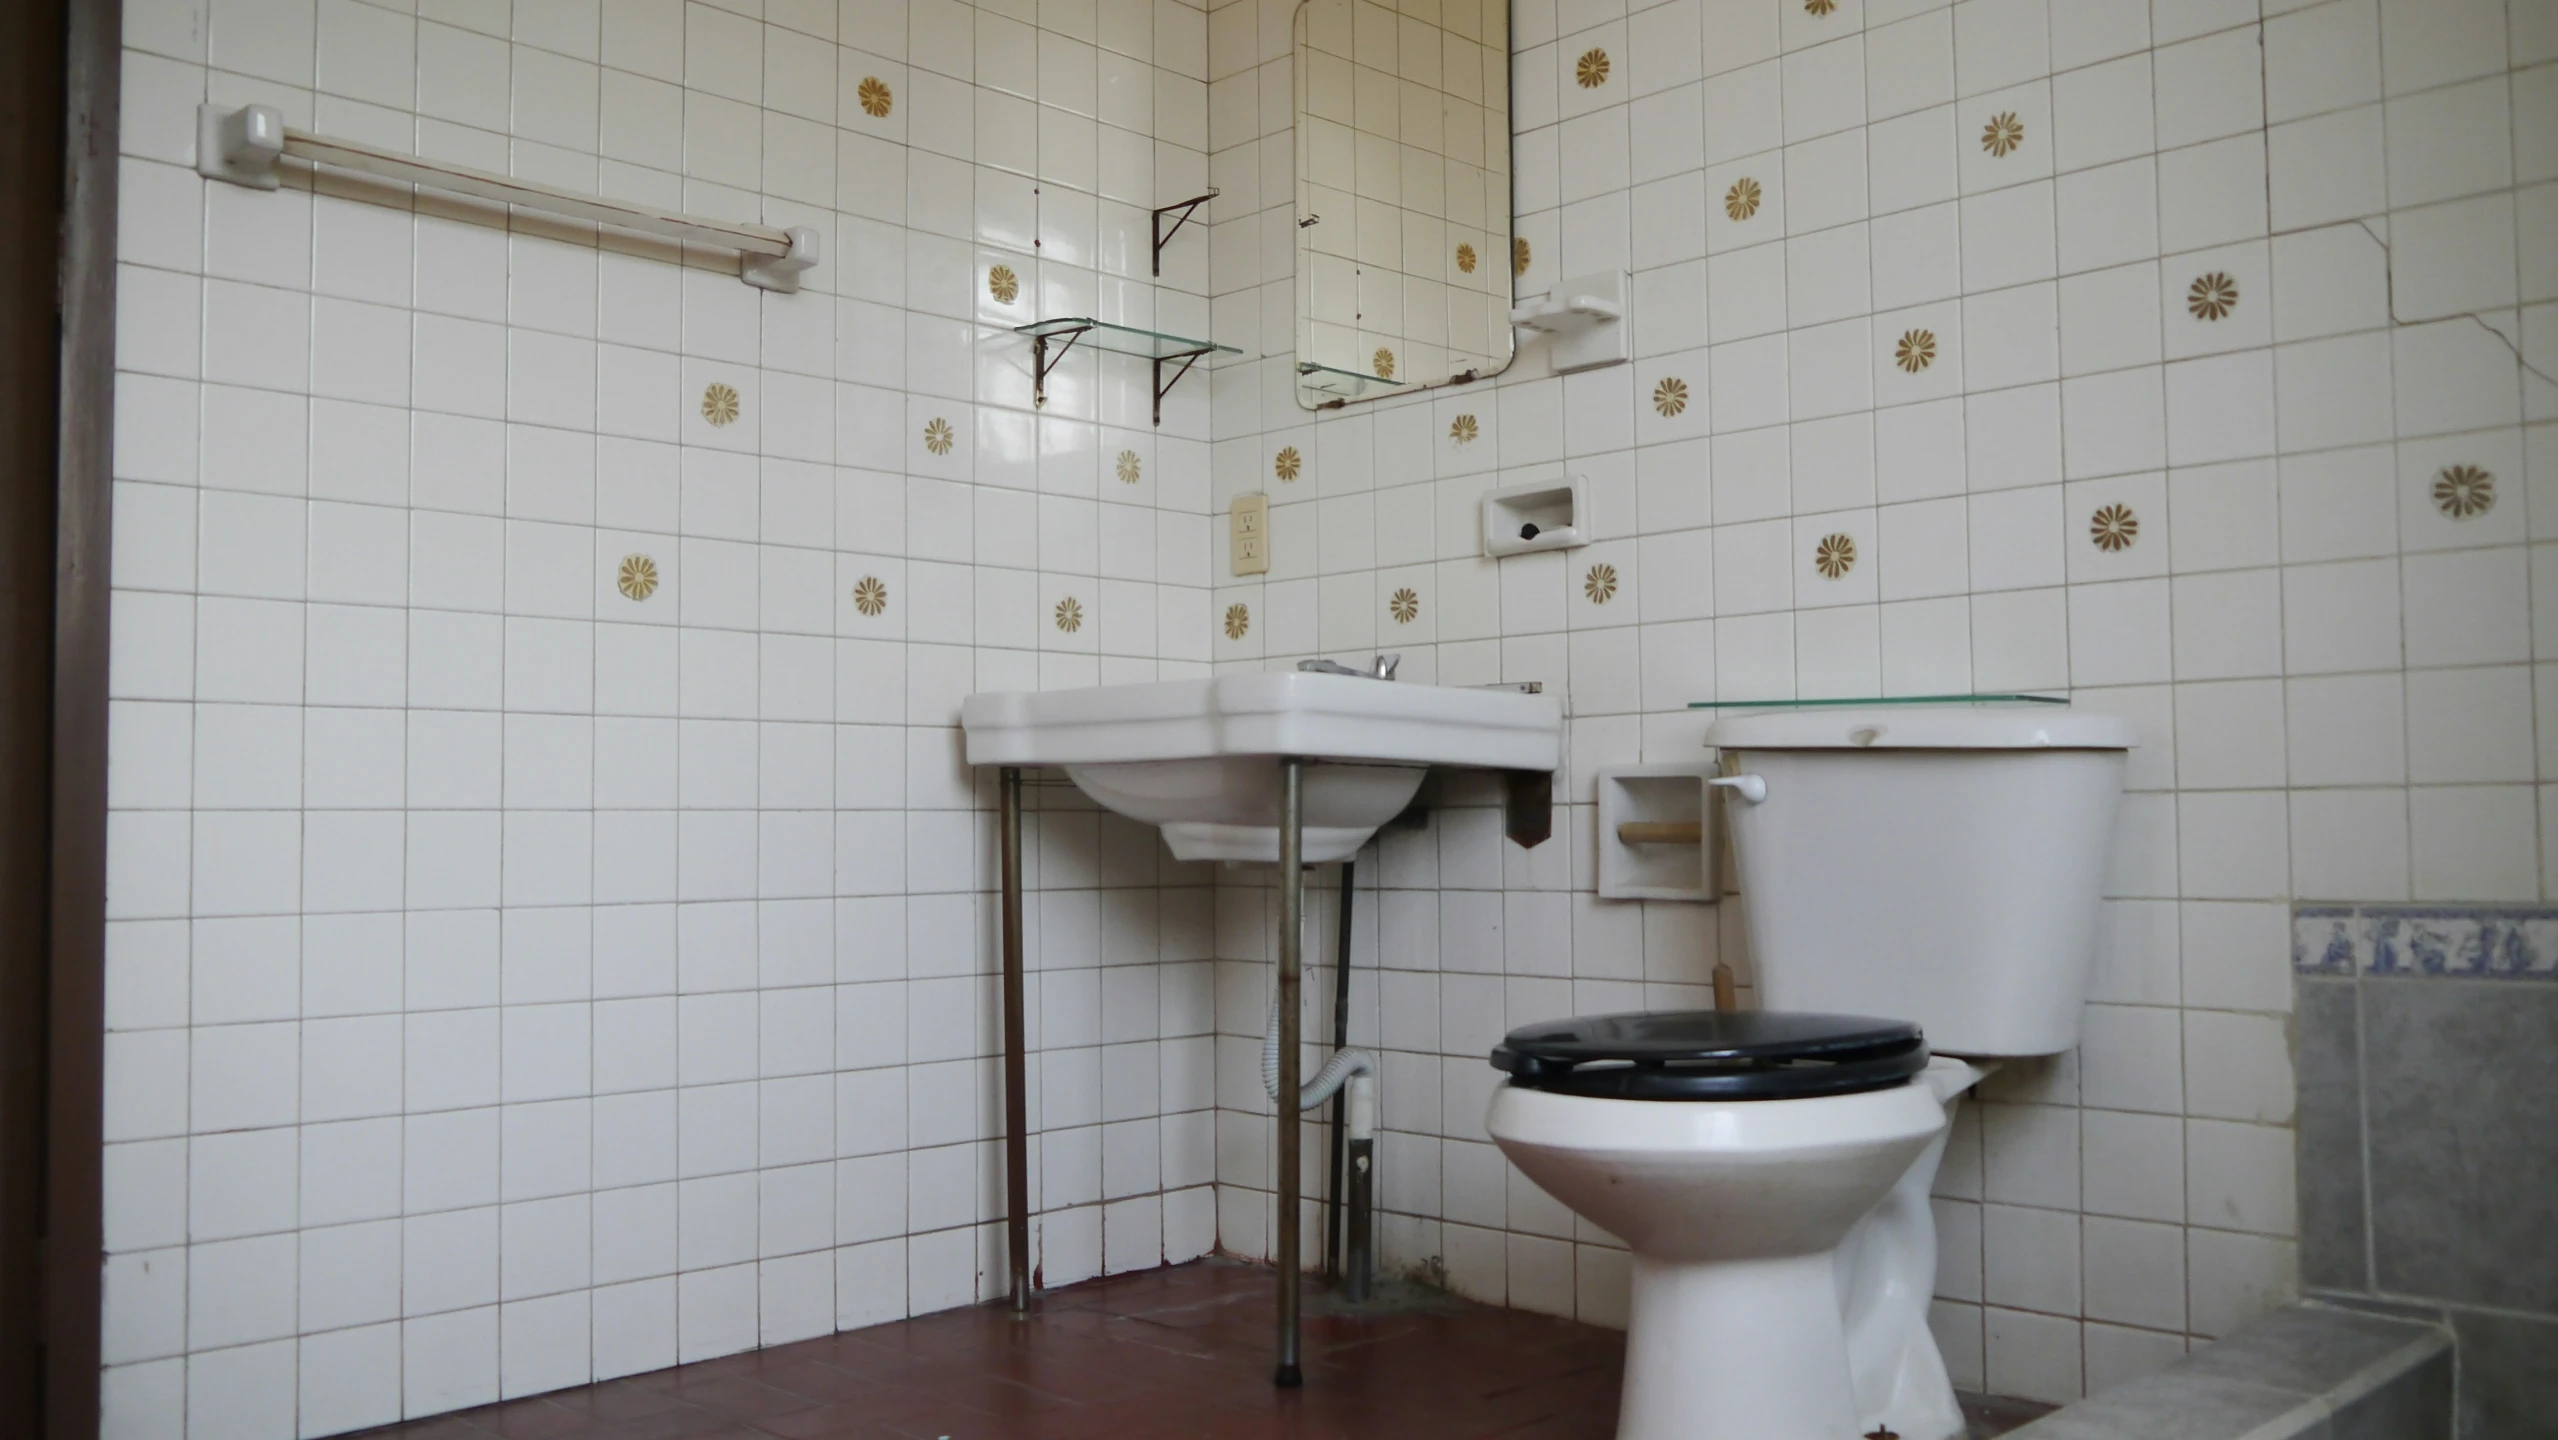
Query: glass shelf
(1122,339)
(1051,339)
(1834,704)
(1342,384)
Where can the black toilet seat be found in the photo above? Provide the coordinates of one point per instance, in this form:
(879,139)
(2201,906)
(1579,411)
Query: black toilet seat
(1713,1055)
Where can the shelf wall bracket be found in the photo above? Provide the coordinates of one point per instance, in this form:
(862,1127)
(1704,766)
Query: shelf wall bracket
(1041,362)
(1163,387)
(1162,236)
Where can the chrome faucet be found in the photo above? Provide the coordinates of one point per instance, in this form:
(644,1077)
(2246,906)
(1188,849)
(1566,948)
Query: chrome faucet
(1381,668)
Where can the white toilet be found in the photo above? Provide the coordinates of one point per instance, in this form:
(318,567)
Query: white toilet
(1921,884)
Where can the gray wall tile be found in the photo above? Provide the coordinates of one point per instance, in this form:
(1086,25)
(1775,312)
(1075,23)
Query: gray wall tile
(2508,1376)
(2414,1406)
(2329,1134)
(2309,1349)
(2458,1077)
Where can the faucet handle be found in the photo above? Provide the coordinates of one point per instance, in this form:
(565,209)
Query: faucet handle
(1384,665)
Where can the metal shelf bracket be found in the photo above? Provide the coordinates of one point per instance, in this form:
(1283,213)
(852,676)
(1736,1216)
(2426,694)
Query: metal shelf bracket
(1187,208)
(1041,362)
(1163,387)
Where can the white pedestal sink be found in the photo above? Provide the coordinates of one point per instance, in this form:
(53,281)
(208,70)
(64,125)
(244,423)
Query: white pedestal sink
(1198,757)
(1293,768)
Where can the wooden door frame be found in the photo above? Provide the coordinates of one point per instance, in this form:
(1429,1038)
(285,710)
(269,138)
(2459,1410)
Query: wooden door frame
(75,1248)
(59,88)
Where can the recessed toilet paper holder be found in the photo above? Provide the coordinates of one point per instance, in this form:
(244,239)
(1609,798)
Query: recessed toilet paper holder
(1658,835)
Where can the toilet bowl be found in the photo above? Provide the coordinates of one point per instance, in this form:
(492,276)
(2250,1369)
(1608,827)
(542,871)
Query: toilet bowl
(1887,1274)
(1783,1249)
(1936,875)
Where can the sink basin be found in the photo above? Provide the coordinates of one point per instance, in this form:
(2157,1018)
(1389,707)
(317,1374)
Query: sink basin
(1198,757)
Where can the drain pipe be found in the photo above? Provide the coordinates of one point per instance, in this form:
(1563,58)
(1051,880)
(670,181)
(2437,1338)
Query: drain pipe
(1344,1070)
(1339,1074)
(1359,1264)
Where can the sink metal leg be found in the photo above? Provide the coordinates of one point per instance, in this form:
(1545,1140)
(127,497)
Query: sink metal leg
(1292,910)
(1338,1147)
(1016,1055)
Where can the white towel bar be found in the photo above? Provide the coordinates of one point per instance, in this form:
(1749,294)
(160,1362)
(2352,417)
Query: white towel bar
(242,146)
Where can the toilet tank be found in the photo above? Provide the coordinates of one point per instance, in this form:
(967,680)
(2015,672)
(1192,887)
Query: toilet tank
(1936,865)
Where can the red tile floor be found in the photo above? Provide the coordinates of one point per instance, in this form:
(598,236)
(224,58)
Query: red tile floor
(1175,1353)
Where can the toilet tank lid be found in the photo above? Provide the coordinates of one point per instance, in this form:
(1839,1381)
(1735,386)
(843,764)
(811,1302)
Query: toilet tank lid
(1931,728)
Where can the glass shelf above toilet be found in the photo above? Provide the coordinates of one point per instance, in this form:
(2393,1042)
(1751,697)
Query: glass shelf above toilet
(1839,703)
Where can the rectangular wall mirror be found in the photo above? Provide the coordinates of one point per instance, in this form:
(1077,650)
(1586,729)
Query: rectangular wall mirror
(1404,254)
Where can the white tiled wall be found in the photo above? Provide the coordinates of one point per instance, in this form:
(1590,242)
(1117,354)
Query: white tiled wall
(514,981)
(2334,675)
(520,974)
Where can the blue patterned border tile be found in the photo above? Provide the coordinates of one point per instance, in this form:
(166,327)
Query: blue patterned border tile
(2474,942)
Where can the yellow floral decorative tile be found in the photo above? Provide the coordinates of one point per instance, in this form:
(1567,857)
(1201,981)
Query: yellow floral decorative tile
(638,577)
(2113,528)
(1834,556)
(2003,134)
(2212,296)
(2464,491)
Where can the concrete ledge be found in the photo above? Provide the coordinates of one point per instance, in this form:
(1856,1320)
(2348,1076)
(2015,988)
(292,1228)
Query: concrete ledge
(2309,1371)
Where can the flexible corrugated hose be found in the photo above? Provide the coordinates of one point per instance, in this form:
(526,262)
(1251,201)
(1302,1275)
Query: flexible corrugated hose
(1335,1072)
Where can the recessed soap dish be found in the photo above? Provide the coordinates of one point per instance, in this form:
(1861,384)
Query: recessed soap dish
(1553,515)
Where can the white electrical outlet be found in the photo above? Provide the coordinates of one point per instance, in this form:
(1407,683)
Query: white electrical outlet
(1248,534)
